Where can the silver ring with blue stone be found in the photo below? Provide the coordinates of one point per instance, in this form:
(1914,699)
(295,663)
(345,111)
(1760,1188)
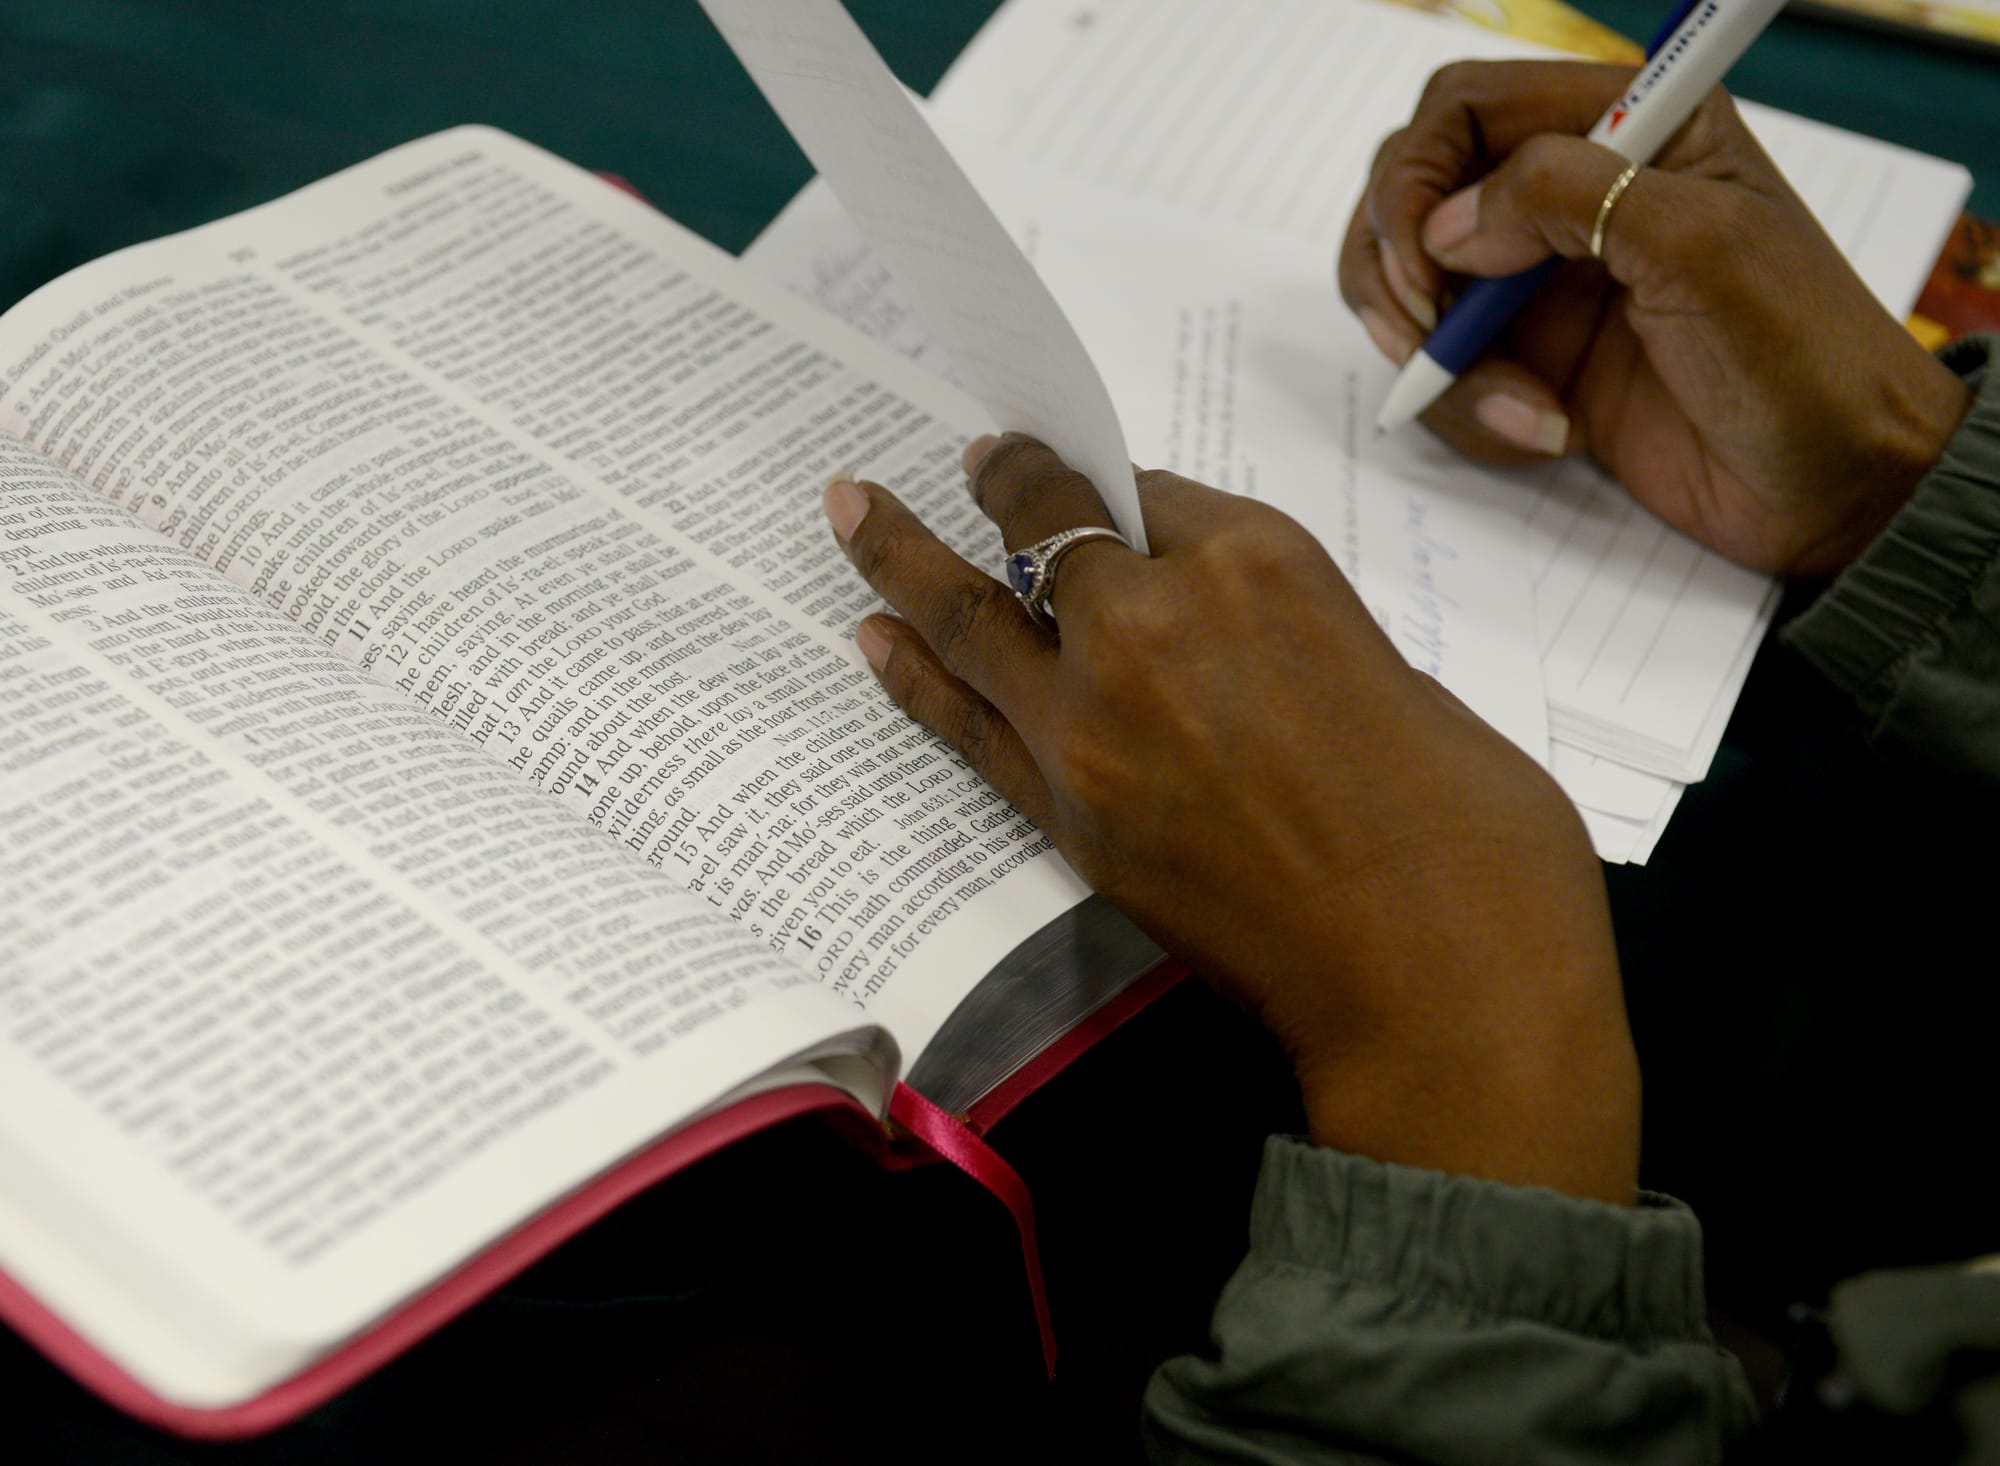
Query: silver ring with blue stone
(1032,572)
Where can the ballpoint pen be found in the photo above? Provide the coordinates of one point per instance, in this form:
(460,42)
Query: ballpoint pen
(1691,59)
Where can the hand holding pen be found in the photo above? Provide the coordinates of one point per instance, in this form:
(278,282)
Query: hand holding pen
(1722,360)
(1698,46)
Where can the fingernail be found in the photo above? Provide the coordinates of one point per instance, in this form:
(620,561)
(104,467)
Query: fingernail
(874,642)
(1523,424)
(1390,338)
(1407,295)
(976,451)
(1452,222)
(846,506)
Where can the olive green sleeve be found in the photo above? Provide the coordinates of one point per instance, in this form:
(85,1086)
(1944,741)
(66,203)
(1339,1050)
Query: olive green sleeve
(1398,1315)
(1911,630)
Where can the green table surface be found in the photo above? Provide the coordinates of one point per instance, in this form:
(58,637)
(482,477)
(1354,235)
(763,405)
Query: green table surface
(124,119)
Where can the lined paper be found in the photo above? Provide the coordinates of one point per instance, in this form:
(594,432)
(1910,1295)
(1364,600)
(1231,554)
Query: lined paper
(1275,124)
(1264,113)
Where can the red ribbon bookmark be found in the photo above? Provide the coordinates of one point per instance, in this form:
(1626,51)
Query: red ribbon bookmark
(952,1141)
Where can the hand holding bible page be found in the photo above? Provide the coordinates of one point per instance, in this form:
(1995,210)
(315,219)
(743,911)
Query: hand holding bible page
(1232,362)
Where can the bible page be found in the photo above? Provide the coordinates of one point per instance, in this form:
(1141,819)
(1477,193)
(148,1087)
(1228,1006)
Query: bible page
(303,999)
(550,466)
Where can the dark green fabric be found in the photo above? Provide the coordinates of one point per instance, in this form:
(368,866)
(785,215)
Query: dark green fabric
(1907,631)
(1907,1339)
(1389,1314)
(1903,1366)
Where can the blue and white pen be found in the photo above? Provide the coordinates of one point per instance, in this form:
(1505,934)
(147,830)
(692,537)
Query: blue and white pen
(1672,83)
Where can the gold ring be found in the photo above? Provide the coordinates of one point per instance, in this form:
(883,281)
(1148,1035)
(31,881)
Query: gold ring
(1611,196)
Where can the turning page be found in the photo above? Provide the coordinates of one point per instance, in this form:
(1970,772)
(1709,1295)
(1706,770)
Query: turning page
(981,299)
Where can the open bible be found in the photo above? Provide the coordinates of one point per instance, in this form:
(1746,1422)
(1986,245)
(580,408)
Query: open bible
(438,794)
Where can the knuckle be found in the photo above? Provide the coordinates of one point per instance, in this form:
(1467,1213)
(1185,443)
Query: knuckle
(961,619)
(1447,84)
(1159,487)
(1357,270)
(1385,151)
(1244,566)
(1733,219)
(1381,174)
(1126,635)
(874,547)
(1016,467)
(1715,123)
(1258,546)
(1219,558)
(1454,87)
(905,678)
(969,726)
(959,718)
(1536,167)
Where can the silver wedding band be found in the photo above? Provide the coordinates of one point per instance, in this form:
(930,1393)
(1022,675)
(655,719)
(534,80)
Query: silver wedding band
(1031,573)
(1611,196)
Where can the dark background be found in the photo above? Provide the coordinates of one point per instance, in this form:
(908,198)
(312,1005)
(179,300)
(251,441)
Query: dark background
(124,119)
(1813,1047)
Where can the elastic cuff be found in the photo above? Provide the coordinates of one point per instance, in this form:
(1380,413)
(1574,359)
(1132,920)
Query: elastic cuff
(1631,1274)
(1894,600)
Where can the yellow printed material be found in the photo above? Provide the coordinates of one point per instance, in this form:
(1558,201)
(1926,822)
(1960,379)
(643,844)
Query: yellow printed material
(1549,22)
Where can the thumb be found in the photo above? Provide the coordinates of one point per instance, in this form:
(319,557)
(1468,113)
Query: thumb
(1545,199)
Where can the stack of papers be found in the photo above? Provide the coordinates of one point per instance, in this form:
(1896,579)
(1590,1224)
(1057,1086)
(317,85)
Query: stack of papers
(1181,173)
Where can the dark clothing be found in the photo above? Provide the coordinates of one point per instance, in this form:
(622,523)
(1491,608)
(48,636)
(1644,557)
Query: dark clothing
(1911,630)
(1385,1314)
(1390,1314)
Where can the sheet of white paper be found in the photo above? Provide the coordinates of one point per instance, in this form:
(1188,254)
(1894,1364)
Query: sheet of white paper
(1629,836)
(1646,637)
(1626,811)
(1624,840)
(1612,836)
(1231,361)
(1647,843)
(978,296)
(1606,785)
(1293,97)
